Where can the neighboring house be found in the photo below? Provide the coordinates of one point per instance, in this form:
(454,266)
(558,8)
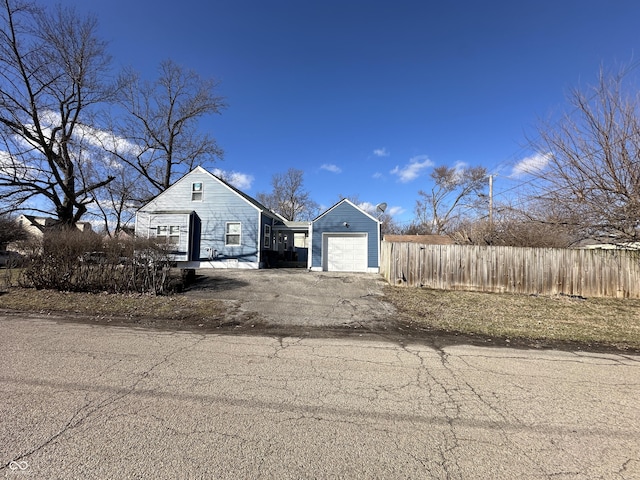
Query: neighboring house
(423,239)
(345,238)
(610,246)
(36,226)
(211,224)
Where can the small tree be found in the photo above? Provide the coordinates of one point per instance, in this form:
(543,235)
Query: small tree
(288,196)
(116,204)
(437,211)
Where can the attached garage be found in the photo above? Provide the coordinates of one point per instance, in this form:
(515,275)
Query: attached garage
(344,252)
(345,238)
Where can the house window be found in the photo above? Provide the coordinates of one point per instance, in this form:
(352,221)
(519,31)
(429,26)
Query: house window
(267,236)
(170,233)
(196,192)
(232,233)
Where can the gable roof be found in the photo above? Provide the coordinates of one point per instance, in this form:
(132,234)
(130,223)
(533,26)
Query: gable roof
(237,191)
(345,200)
(248,198)
(33,221)
(44,223)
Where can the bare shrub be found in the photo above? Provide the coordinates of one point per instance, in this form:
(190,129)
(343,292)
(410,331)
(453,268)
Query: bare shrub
(86,262)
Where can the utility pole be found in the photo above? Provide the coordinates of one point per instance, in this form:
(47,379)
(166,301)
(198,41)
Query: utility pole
(491,202)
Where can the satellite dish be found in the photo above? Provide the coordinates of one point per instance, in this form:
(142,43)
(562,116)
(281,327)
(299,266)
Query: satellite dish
(381,207)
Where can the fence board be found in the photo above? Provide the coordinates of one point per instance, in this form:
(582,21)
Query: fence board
(545,271)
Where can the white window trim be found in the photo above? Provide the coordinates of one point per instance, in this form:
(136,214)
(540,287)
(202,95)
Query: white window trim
(196,192)
(167,236)
(226,234)
(266,243)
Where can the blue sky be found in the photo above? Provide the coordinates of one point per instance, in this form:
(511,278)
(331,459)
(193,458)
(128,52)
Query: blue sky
(367,96)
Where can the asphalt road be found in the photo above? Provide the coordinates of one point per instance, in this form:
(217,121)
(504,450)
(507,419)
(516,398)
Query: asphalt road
(80,401)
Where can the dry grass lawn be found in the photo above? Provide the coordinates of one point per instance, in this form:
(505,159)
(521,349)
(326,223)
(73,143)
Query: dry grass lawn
(593,321)
(611,323)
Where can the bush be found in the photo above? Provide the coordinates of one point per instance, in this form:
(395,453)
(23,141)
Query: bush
(86,262)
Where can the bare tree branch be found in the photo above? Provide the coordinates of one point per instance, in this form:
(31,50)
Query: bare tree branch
(288,196)
(439,210)
(162,120)
(52,67)
(593,177)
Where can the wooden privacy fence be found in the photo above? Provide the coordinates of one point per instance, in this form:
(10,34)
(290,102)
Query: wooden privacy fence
(545,271)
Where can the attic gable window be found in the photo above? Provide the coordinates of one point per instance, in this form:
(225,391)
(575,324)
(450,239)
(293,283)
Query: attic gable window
(232,233)
(196,192)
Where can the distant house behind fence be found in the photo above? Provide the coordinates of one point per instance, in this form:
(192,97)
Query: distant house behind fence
(424,239)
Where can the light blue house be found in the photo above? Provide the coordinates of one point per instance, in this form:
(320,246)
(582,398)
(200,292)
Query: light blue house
(345,238)
(208,223)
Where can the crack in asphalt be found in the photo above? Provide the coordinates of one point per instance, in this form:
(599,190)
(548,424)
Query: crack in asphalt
(91,407)
(393,390)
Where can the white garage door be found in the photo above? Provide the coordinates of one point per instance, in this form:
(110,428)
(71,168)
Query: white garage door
(345,253)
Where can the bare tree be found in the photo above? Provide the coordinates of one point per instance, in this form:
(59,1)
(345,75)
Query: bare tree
(11,231)
(161,125)
(437,211)
(530,226)
(289,197)
(52,71)
(115,205)
(592,178)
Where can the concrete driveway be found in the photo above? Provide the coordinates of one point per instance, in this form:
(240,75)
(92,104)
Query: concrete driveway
(297,297)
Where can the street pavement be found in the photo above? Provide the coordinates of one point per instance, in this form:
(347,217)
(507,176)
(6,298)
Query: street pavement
(82,401)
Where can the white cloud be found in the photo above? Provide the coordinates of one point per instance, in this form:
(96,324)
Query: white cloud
(87,135)
(381,152)
(460,167)
(371,209)
(392,211)
(377,175)
(241,181)
(367,207)
(108,140)
(413,169)
(14,167)
(330,167)
(530,165)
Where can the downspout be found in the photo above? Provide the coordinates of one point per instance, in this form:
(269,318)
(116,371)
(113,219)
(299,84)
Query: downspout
(379,242)
(310,252)
(260,239)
